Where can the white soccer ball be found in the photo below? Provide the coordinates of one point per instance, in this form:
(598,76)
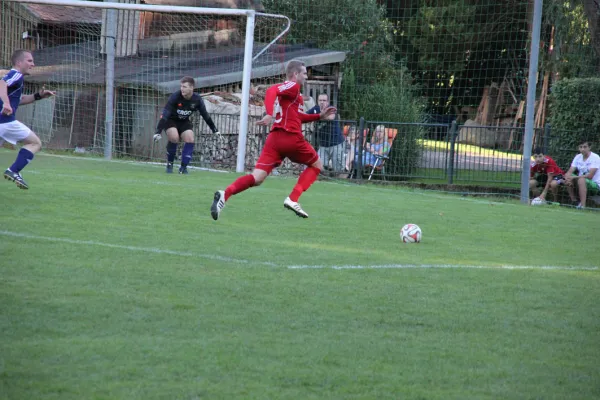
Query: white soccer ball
(537,202)
(410,233)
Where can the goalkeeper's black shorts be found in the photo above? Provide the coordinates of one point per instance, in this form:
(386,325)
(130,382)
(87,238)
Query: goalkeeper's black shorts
(181,126)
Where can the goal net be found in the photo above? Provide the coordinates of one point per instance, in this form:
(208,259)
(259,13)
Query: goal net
(138,53)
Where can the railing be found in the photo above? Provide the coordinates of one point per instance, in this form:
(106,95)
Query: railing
(422,152)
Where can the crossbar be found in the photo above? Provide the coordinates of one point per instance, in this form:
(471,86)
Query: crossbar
(140,7)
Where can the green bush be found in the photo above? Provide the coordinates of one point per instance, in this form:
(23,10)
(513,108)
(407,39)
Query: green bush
(402,104)
(574,115)
(406,152)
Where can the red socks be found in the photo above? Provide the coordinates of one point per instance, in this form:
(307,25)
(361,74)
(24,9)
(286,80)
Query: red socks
(306,178)
(239,185)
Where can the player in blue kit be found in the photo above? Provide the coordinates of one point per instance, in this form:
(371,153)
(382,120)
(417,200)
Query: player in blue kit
(175,120)
(11,130)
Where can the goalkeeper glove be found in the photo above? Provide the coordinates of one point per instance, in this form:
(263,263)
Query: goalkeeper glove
(218,134)
(157,137)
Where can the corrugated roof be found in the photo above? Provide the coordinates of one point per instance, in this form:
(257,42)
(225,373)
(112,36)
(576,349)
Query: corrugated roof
(238,4)
(65,14)
(210,68)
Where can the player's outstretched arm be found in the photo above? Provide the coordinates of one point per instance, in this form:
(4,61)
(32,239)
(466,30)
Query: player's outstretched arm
(325,114)
(42,94)
(164,116)
(206,116)
(329,111)
(162,123)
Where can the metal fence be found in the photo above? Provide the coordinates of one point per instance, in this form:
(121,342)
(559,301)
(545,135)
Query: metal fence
(427,152)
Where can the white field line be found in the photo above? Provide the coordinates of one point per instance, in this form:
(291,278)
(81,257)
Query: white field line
(293,267)
(444,266)
(134,248)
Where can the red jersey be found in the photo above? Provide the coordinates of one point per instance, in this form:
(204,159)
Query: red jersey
(286,101)
(547,167)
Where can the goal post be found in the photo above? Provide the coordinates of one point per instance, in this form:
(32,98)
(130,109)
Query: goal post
(118,62)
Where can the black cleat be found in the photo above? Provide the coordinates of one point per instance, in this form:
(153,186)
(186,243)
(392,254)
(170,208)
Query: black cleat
(16,178)
(183,170)
(169,168)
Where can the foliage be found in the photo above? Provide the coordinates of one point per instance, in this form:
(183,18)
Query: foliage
(442,43)
(452,49)
(395,99)
(573,105)
(406,152)
(364,33)
(323,24)
(571,55)
(386,92)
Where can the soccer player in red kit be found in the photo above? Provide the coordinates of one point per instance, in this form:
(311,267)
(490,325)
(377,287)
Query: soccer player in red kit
(285,140)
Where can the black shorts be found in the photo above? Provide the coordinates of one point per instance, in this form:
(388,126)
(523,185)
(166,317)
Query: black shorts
(181,126)
(543,178)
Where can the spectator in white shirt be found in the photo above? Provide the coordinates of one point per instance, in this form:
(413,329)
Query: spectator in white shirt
(583,176)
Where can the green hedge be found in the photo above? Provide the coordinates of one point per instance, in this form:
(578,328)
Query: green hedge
(574,115)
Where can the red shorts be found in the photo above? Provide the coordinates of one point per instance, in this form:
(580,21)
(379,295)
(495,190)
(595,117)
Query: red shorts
(281,144)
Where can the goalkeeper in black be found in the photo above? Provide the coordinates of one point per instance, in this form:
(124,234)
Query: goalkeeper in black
(175,121)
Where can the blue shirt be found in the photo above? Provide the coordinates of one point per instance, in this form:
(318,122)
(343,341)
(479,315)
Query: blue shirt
(328,132)
(14,80)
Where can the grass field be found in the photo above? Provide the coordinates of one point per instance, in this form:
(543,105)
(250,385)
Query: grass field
(116,284)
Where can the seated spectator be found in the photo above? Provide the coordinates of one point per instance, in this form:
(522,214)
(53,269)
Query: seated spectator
(377,146)
(583,175)
(544,175)
(351,149)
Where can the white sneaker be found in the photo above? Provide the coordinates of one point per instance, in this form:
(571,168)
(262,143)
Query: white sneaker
(218,204)
(295,207)
(580,207)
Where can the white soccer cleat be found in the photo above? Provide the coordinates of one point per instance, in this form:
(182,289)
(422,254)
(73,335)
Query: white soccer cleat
(295,207)
(218,204)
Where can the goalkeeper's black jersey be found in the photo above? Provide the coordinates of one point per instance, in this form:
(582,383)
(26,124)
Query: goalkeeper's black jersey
(179,108)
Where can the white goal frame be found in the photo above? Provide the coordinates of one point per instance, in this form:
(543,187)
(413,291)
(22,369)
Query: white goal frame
(110,55)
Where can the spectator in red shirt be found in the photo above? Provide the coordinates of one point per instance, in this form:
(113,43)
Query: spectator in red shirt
(544,175)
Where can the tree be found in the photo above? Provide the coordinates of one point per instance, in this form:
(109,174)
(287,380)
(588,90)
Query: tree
(374,85)
(456,48)
(567,38)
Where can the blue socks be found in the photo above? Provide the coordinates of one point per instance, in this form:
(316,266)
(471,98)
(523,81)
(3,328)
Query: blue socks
(186,154)
(22,160)
(171,151)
